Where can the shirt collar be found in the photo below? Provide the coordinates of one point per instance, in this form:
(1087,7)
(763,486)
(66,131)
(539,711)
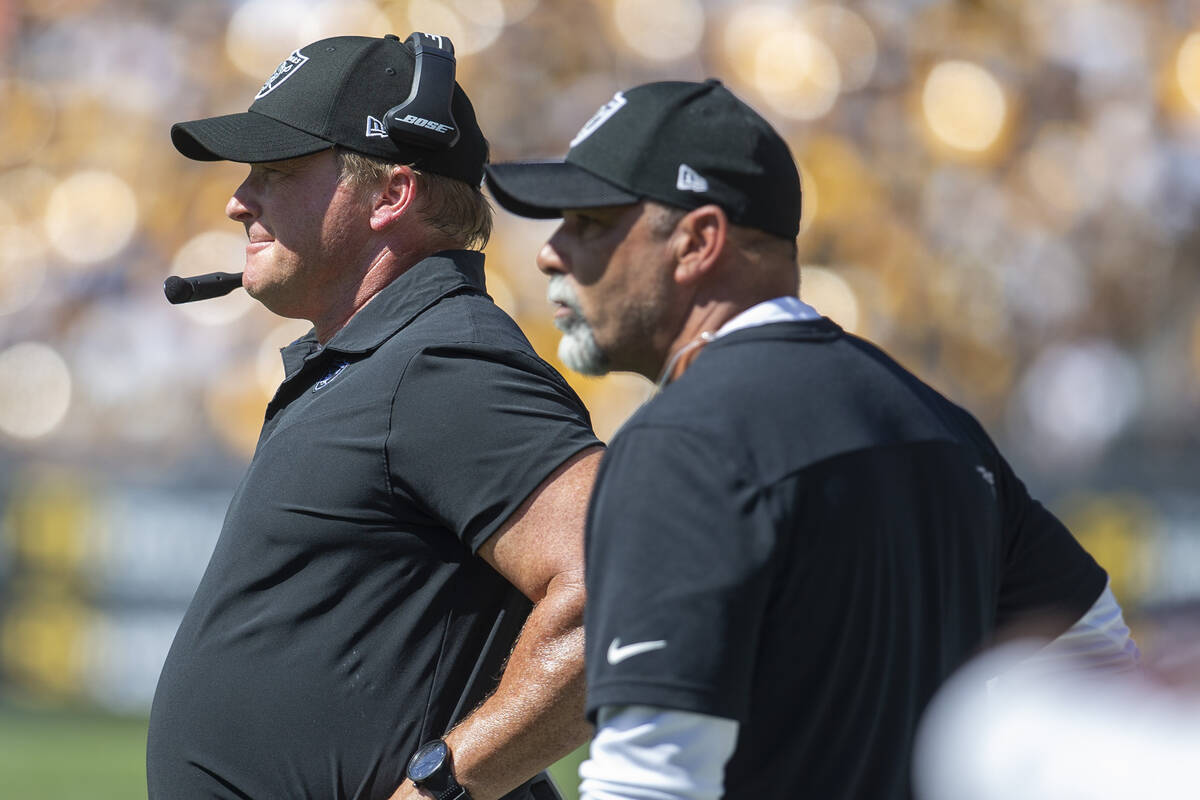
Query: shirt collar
(395,305)
(402,300)
(780,309)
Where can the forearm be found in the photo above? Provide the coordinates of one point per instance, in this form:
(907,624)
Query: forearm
(536,714)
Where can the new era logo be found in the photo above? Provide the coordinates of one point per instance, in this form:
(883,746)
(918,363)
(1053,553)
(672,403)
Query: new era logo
(690,181)
(376,128)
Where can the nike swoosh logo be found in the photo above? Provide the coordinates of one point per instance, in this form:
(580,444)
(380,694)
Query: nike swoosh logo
(618,652)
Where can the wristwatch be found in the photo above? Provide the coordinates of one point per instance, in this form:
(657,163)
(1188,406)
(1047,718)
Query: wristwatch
(432,769)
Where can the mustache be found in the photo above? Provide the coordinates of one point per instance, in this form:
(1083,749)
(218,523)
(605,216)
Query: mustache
(559,291)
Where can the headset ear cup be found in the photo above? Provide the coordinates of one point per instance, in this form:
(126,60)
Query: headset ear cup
(424,119)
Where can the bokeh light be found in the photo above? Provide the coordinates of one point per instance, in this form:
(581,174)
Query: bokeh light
(964,105)
(1076,398)
(501,292)
(25,191)
(1187,69)
(269,365)
(344,18)
(1046,283)
(35,390)
(233,406)
(831,295)
(514,253)
(850,40)
(261,34)
(665,30)
(117,357)
(746,27)
(833,171)
(1067,171)
(214,251)
(473,25)
(27,124)
(38,643)
(797,74)
(517,10)
(91,216)
(22,267)
(613,399)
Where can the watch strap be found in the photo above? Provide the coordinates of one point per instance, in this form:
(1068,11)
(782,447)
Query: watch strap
(453,792)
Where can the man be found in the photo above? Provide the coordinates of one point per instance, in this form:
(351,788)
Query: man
(796,541)
(419,481)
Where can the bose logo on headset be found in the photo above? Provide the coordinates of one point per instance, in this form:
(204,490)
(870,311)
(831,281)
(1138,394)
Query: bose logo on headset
(424,119)
(426,123)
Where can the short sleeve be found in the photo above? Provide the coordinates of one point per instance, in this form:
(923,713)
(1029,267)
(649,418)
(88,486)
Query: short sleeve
(475,430)
(1045,569)
(678,561)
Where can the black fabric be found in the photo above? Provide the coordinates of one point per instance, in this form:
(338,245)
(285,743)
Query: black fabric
(680,143)
(819,539)
(344,618)
(328,93)
(551,187)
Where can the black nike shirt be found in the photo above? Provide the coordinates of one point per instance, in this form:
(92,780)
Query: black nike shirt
(801,536)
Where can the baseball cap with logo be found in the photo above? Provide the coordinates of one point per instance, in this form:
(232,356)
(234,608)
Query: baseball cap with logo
(679,143)
(335,92)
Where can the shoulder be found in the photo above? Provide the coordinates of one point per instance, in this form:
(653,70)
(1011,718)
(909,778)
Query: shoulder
(467,315)
(466,330)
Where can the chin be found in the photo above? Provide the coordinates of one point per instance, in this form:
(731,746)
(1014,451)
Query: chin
(259,282)
(252,287)
(582,354)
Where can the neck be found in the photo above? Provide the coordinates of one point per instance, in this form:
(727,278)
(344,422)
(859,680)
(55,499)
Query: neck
(389,264)
(682,358)
(698,329)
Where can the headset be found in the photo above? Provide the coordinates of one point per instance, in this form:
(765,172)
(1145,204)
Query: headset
(425,119)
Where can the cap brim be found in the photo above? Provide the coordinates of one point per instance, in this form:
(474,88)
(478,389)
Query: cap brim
(541,190)
(248,137)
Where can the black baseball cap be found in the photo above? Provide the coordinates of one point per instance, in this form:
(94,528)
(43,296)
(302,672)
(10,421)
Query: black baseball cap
(683,144)
(335,92)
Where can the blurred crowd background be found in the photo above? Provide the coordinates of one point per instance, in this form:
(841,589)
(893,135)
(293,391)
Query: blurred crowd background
(1005,194)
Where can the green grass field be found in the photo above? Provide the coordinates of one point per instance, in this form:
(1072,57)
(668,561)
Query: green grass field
(71,756)
(57,755)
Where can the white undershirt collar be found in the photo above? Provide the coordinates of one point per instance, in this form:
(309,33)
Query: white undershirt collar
(780,309)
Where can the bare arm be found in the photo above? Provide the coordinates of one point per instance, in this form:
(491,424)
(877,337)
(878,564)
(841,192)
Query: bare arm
(536,714)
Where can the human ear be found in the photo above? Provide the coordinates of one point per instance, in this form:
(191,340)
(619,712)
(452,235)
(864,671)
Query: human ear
(394,198)
(698,241)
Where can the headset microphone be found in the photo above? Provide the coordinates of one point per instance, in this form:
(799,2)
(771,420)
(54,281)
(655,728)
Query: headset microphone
(201,287)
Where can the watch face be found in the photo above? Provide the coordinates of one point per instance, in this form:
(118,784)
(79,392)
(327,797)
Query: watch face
(426,760)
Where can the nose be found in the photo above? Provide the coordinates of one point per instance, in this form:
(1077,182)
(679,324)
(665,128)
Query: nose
(549,259)
(241,206)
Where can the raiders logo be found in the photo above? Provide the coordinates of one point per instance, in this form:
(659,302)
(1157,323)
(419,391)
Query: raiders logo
(284,71)
(599,118)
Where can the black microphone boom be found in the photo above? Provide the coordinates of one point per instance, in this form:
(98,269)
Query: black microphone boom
(201,287)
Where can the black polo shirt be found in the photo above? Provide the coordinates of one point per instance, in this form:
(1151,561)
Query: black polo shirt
(801,536)
(344,617)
